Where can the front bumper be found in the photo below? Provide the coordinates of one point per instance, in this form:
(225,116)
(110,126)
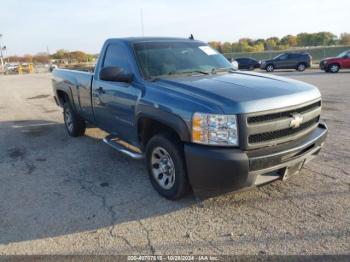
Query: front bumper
(263,66)
(216,170)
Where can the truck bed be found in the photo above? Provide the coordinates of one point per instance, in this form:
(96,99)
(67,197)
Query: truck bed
(78,84)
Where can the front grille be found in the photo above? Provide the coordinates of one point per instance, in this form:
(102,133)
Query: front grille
(285,114)
(275,127)
(268,136)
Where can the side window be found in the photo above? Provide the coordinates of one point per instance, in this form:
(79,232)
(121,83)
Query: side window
(348,55)
(116,56)
(283,57)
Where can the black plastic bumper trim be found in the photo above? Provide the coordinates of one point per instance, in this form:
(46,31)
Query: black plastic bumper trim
(213,171)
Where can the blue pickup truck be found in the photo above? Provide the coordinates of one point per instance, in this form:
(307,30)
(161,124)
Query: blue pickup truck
(199,124)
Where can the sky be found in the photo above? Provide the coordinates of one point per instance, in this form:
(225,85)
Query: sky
(29,27)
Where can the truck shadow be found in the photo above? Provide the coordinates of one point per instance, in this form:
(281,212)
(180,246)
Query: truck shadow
(53,185)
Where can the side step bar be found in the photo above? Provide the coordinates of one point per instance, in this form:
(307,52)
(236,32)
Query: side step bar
(123,147)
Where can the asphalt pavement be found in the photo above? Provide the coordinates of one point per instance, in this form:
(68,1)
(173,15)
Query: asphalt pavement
(63,195)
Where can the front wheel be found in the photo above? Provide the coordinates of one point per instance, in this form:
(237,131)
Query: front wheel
(269,68)
(166,166)
(301,67)
(333,68)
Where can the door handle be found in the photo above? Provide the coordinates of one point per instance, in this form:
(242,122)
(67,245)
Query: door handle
(100,90)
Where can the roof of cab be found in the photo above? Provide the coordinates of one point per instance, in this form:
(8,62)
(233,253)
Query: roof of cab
(148,39)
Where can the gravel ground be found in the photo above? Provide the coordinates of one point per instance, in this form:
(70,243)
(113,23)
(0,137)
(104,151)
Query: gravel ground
(63,195)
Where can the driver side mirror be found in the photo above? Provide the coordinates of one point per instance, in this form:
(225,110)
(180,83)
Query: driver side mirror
(115,74)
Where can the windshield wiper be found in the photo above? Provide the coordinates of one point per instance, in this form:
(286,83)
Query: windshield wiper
(172,73)
(188,72)
(198,72)
(223,69)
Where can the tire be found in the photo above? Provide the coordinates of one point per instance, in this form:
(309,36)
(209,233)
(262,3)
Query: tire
(75,125)
(333,68)
(270,68)
(166,166)
(301,67)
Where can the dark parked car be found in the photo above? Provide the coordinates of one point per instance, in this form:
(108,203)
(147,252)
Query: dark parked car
(247,63)
(333,64)
(199,123)
(298,61)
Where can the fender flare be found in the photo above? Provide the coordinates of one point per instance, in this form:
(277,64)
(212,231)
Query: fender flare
(66,88)
(166,118)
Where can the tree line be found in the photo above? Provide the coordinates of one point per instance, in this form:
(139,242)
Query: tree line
(60,56)
(286,42)
(243,45)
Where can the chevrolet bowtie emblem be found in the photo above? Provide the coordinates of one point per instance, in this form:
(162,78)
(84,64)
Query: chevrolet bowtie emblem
(296,121)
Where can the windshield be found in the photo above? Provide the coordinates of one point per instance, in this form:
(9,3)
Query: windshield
(175,58)
(342,54)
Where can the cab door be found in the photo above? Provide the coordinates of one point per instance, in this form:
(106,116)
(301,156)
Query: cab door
(346,61)
(281,62)
(114,102)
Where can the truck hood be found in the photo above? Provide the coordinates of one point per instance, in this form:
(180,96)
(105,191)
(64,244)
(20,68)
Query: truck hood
(242,92)
(267,61)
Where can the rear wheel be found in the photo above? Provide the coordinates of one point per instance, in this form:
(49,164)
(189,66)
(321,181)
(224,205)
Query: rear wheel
(301,67)
(333,68)
(75,125)
(166,166)
(269,68)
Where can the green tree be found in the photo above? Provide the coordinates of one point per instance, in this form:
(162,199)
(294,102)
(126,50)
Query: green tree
(316,39)
(216,45)
(271,43)
(227,47)
(61,54)
(79,56)
(344,39)
(258,47)
(289,40)
(236,47)
(304,39)
(323,38)
(259,41)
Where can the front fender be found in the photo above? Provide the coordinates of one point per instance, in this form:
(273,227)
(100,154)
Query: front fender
(165,117)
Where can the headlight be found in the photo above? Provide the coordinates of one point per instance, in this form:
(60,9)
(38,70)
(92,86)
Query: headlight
(324,62)
(213,129)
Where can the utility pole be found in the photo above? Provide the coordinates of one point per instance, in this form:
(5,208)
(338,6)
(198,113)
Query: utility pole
(141,18)
(1,55)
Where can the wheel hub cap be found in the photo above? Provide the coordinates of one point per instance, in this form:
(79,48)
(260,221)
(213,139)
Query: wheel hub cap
(163,169)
